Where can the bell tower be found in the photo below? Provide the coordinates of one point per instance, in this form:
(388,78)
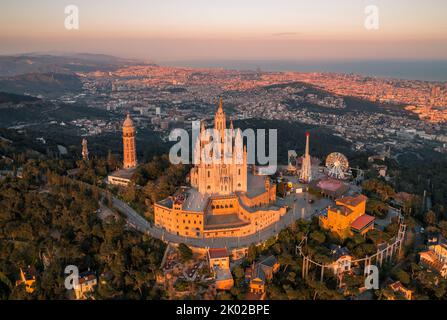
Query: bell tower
(129,148)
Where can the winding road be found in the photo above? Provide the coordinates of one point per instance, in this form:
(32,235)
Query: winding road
(299,208)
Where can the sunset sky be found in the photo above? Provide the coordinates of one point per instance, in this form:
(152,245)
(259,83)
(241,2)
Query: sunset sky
(233,29)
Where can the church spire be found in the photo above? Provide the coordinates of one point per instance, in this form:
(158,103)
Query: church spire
(220,121)
(220,109)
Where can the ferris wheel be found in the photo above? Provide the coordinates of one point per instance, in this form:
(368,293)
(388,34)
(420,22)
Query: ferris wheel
(337,165)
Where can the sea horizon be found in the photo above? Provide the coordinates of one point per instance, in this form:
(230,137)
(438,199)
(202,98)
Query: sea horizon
(422,70)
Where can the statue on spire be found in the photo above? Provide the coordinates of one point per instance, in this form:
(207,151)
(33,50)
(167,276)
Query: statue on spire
(220,109)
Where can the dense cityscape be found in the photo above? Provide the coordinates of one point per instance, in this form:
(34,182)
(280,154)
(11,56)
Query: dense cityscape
(162,97)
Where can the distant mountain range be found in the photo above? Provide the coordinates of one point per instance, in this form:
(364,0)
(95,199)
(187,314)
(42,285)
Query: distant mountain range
(11,98)
(52,75)
(60,63)
(46,84)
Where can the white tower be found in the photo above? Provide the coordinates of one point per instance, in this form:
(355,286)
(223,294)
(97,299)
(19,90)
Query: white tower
(306,169)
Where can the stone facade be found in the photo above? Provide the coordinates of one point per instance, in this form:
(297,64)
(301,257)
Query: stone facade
(220,170)
(224,199)
(129,148)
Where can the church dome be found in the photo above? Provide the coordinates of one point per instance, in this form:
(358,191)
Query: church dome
(128,122)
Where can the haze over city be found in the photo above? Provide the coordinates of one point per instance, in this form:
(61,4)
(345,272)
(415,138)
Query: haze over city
(176,30)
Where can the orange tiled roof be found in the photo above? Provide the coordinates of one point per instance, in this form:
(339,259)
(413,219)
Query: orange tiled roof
(352,201)
(216,253)
(362,221)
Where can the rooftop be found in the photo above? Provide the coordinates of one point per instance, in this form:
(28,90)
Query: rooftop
(195,201)
(128,121)
(331,185)
(255,185)
(86,277)
(216,253)
(269,261)
(123,173)
(226,221)
(223,274)
(397,286)
(338,251)
(352,201)
(362,222)
(341,209)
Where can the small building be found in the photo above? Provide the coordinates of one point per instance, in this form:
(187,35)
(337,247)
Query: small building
(261,273)
(86,285)
(223,279)
(400,292)
(342,259)
(218,257)
(219,263)
(331,188)
(28,278)
(121,177)
(362,224)
(440,249)
(347,217)
(429,259)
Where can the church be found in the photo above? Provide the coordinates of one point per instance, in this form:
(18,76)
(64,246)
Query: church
(225,198)
(228,173)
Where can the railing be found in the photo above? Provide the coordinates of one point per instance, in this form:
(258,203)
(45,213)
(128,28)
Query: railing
(386,254)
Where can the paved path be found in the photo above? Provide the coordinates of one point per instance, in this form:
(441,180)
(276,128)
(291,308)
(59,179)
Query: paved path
(383,223)
(299,208)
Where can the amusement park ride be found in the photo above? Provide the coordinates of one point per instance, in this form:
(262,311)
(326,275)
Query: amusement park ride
(337,166)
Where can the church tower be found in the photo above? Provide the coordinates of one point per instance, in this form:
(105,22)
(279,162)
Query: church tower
(130,151)
(306,169)
(228,174)
(220,121)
